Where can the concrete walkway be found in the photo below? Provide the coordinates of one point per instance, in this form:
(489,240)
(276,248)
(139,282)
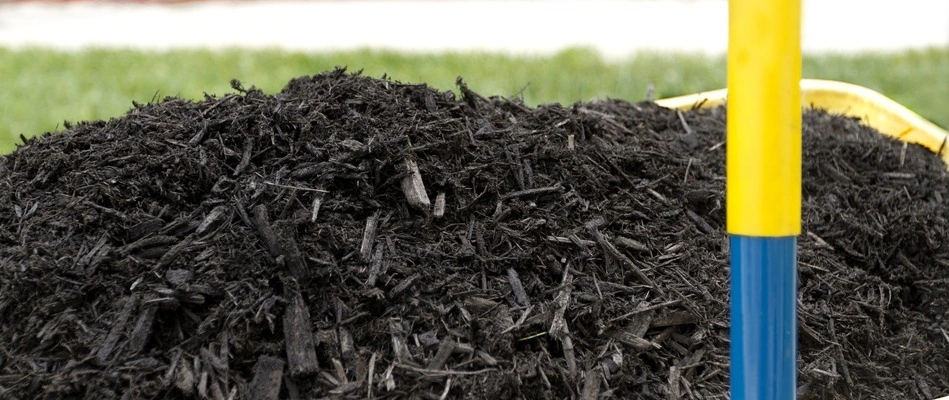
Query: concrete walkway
(616,27)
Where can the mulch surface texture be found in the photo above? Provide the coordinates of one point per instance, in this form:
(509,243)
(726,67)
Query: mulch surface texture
(353,237)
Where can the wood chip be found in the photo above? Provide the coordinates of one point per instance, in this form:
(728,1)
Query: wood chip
(245,157)
(445,349)
(674,319)
(520,296)
(591,384)
(675,390)
(347,346)
(315,208)
(439,205)
(414,188)
(376,265)
(143,329)
(559,329)
(532,192)
(368,238)
(118,327)
(399,345)
(216,214)
(268,374)
(298,336)
(184,380)
(279,246)
(630,243)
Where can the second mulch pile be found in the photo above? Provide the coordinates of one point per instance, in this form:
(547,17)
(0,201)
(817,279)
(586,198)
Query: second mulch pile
(352,237)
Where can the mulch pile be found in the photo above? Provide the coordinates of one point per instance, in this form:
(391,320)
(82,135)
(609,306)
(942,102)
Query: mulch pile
(352,237)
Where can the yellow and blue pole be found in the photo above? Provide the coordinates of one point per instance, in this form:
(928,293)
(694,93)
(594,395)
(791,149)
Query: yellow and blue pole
(763,194)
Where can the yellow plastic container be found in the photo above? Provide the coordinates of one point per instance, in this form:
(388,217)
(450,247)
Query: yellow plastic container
(871,107)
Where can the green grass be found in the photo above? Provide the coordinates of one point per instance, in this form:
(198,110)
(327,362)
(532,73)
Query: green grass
(39,89)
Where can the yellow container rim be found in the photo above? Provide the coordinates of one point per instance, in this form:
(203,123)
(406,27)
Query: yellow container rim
(871,107)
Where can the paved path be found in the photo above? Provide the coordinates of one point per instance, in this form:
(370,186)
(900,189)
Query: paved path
(615,27)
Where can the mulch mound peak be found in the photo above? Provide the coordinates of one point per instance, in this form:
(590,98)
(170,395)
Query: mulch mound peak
(352,237)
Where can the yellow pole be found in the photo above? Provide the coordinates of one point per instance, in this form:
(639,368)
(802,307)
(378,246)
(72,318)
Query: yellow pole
(764,118)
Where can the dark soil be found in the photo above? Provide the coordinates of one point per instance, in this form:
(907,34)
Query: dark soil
(257,246)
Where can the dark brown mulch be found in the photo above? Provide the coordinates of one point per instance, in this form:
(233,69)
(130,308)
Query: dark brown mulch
(258,246)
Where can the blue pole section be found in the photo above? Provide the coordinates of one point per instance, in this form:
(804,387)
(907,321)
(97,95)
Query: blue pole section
(763,317)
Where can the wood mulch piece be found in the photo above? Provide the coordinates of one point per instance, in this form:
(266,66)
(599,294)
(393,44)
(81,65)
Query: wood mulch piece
(352,237)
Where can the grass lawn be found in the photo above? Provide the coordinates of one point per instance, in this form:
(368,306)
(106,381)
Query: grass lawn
(42,88)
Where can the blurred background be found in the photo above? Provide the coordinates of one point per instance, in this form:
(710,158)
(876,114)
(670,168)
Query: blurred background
(87,60)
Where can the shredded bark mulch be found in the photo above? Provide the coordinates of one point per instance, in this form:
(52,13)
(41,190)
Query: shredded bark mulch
(352,237)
